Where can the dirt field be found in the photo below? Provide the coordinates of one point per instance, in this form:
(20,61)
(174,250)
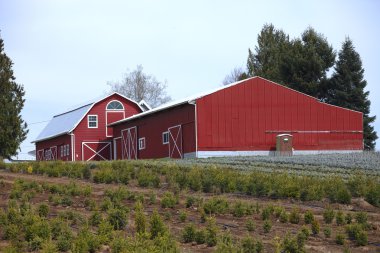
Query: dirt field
(225,222)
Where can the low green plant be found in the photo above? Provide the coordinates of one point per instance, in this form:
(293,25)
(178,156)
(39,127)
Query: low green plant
(340,238)
(215,206)
(295,216)
(348,218)
(203,215)
(168,200)
(211,232)
(250,225)
(328,215)
(200,236)
(188,233)
(361,217)
(308,217)
(306,231)
(140,219)
(95,219)
(152,198)
(327,232)
(182,216)
(339,218)
(357,233)
(267,226)
(267,212)
(43,210)
(117,218)
(315,227)
(294,244)
(157,226)
(284,217)
(239,209)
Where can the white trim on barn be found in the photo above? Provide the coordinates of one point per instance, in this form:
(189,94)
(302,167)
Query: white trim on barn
(207,154)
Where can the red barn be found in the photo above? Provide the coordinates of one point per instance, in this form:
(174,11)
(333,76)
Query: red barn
(244,118)
(82,134)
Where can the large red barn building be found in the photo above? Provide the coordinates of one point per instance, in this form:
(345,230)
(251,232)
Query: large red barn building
(244,118)
(82,133)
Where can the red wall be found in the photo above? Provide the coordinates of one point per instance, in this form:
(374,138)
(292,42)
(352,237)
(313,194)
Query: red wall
(58,141)
(152,126)
(248,116)
(84,134)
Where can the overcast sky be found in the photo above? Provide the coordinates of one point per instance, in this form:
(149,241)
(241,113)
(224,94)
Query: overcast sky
(65,51)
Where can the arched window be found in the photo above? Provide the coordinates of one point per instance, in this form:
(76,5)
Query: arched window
(115,105)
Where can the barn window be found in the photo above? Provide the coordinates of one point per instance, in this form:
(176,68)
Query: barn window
(142,143)
(62,149)
(165,137)
(67,149)
(92,121)
(115,105)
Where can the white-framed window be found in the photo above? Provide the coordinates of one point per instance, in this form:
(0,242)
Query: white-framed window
(92,121)
(165,137)
(142,143)
(62,150)
(67,149)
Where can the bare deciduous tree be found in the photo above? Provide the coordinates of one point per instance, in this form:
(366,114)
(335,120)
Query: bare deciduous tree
(236,74)
(138,86)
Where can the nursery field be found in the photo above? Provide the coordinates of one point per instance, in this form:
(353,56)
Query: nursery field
(165,206)
(344,165)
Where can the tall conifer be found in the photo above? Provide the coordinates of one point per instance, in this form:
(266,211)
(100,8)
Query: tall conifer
(346,88)
(13,129)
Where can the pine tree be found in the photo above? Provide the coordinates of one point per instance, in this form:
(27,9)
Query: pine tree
(13,129)
(267,59)
(346,88)
(301,63)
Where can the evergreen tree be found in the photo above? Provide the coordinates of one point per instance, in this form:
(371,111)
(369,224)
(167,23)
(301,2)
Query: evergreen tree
(272,46)
(13,129)
(305,65)
(301,63)
(346,89)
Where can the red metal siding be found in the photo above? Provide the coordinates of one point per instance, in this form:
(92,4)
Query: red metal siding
(152,126)
(248,116)
(59,142)
(84,134)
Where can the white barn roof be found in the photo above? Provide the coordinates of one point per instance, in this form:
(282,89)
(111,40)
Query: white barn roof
(66,122)
(63,123)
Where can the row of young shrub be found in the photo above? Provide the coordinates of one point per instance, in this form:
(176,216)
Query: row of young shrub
(213,179)
(28,229)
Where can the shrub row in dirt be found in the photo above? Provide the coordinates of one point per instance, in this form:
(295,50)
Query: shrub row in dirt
(212,179)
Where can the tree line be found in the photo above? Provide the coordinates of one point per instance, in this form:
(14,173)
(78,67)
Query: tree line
(303,64)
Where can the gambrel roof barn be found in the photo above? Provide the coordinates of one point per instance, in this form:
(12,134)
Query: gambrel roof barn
(82,133)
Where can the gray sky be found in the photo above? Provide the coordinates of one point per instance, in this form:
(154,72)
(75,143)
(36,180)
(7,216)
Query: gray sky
(65,51)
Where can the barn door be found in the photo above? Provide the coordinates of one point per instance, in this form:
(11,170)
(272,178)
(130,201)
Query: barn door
(96,151)
(40,155)
(175,142)
(53,153)
(129,143)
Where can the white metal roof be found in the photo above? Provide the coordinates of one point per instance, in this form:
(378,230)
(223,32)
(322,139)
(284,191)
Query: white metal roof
(177,102)
(193,98)
(63,123)
(66,122)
